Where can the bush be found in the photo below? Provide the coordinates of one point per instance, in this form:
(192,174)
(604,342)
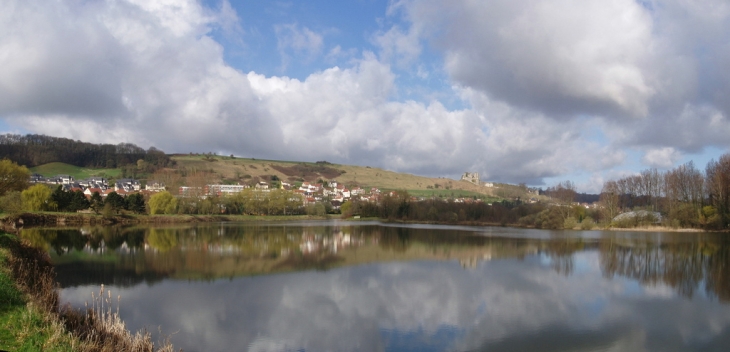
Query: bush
(570,223)
(587,224)
(37,198)
(550,218)
(163,203)
(686,215)
(11,202)
(527,220)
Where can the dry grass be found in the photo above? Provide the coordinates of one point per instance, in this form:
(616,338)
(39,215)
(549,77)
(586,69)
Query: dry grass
(101,328)
(98,328)
(244,170)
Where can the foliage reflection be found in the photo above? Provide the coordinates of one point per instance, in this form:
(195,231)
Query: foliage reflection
(205,252)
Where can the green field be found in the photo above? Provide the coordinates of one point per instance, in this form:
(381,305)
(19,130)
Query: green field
(53,169)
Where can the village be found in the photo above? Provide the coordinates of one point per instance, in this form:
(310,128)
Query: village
(307,193)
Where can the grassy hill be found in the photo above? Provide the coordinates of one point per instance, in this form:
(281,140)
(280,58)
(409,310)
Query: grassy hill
(53,169)
(244,170)
(197,169)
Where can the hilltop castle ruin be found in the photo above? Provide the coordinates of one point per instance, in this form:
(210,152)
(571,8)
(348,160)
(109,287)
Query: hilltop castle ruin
(473,177)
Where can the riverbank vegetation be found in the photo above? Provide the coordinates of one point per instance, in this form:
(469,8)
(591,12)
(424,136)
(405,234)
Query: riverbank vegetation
(684,196)
(32,320)
(24,323)
(679,198)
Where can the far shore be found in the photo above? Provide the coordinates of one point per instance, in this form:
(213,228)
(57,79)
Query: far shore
(13,222)
(658,229)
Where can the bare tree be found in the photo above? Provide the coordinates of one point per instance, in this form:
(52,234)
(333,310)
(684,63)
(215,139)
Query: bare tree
(717,176)
(610,199)
(563,194)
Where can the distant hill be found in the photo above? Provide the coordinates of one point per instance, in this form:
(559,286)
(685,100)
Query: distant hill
(33,150)
(225,169)
(51,156)
(587,198)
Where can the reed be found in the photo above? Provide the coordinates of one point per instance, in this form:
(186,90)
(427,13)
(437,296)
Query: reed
(102,329)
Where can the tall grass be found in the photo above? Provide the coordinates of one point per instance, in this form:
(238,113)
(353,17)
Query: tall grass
(102,329)
(98,328)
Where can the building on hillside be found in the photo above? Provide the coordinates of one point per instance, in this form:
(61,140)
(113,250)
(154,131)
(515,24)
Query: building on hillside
(61,179)
(220,190)
(472,177)
(37,178)
(95,182)
(127,184)
(155,186)
(185,191)
(90,192)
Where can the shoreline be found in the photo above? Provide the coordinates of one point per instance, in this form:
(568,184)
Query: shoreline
(33,318)
(12,223)
(76,324)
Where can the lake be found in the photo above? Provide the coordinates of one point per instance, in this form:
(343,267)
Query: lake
(367,286)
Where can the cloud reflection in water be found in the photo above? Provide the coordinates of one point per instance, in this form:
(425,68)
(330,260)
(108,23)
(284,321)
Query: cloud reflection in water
(499,305)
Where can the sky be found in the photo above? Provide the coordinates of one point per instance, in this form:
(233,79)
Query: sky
(528,91)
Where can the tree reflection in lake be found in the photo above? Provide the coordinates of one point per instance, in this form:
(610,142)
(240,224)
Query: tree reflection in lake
(411,287)
(685,266)
(221,250)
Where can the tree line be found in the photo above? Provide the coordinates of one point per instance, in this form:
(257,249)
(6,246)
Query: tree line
(399,205)
(34,149)
(685,195)
(41,197)
(248,202)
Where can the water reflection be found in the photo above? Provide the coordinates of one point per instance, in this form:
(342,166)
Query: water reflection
(686,267)
(207,251)
(366,287)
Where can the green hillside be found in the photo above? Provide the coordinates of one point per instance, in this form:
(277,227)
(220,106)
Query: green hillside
(53,169)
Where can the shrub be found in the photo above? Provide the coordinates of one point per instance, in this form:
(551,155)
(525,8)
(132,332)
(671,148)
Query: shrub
(527,220)
(36,198)
(587,224)
(570,223)
(163,203)
(11,202)
(550,218)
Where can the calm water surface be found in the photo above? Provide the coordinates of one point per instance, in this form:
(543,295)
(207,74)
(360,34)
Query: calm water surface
(339,286)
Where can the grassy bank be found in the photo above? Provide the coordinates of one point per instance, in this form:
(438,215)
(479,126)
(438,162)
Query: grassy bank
(26,317)
(32,320)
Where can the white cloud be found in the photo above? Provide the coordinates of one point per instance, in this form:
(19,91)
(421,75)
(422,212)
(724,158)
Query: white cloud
(530,80)
(562,57)
(300,42)
(653,75)
(662,157)
(395,44)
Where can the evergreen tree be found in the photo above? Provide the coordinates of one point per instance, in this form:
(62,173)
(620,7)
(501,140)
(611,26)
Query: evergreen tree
(115,202)
(78,201)
(135,203)
(97,203)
